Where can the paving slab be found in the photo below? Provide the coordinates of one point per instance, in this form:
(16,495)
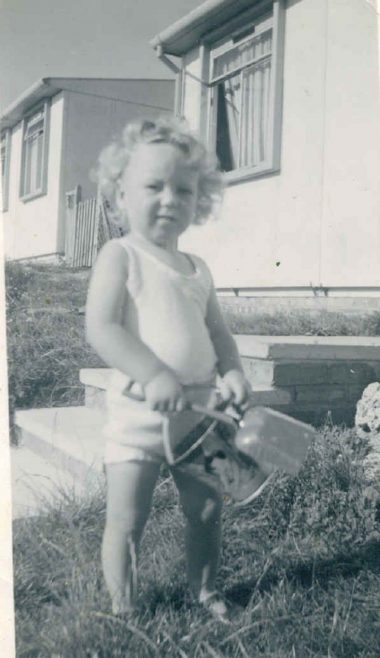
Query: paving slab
(96,377)
(266,395)
(302,348)
(37,483)
(70,437)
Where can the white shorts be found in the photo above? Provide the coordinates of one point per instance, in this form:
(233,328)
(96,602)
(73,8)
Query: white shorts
(134,432)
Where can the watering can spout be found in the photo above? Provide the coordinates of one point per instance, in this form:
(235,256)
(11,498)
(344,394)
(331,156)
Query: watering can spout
(274,440)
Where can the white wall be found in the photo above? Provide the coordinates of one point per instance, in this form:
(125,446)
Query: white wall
(31,227)
(317,220)
(351,191)
(92,121)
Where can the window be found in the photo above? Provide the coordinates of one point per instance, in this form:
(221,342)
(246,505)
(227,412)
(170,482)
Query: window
(245,95)
(5,160)
(34,154)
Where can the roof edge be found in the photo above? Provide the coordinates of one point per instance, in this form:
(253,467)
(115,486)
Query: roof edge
(193,20)
(36,92)
(47,87)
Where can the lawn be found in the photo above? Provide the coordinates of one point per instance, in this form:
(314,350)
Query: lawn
(302,562)
(46,346)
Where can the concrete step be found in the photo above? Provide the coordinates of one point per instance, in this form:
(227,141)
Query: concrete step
(96,379)
(61,449)
(70,438)
(37,483)
(310,373)
(303,348)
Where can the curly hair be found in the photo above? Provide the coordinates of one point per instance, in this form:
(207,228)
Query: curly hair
(114,159)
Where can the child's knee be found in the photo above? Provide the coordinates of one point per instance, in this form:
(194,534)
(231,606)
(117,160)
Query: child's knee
(205,511)
(127,523)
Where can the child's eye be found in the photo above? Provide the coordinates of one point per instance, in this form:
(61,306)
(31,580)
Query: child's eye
(185,191)
(153,186)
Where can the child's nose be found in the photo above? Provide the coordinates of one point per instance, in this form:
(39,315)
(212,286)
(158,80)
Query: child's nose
(168,195)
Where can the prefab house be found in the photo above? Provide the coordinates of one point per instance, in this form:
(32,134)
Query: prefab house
(50,139)
(287,92)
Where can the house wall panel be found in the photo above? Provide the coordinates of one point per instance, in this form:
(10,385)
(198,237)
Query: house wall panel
(351,190)
(255,243)
(192,87)
(31,227)
(316,221)
(92,121)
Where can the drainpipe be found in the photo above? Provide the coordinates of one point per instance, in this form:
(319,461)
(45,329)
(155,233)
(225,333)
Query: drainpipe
(178,77)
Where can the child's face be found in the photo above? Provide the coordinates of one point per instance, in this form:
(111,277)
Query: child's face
(159,191)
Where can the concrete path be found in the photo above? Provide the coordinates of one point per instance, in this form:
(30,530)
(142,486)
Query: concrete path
(37,483)
(60,456)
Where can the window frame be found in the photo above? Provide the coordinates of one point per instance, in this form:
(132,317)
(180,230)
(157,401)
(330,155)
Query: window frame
(5,170)
(218,42)
(42,189)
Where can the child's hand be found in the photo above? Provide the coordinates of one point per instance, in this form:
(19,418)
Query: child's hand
(165,393)
(235,387)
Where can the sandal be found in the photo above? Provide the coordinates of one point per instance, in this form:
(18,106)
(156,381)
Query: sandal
(217,606)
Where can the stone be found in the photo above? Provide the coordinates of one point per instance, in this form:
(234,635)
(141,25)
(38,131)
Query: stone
(367,423)
(367,418)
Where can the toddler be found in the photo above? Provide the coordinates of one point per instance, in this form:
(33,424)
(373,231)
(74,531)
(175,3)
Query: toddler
(153,317)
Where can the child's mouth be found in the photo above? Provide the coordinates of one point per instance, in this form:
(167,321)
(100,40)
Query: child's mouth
(166,218)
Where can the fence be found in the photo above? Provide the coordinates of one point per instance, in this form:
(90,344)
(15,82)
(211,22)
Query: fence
(88,227)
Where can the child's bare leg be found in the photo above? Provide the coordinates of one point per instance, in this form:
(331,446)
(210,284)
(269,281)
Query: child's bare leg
(201,503)
(129,494)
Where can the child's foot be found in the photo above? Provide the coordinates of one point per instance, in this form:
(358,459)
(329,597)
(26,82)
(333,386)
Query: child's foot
(122,609)
(215,604)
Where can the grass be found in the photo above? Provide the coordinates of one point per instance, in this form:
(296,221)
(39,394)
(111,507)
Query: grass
(45,332)
(45,336)
(302,562)
(302,323)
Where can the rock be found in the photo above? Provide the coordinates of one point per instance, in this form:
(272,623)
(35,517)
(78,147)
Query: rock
(367,423)
(367,419)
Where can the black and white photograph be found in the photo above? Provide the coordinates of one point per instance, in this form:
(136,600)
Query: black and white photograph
(190,284)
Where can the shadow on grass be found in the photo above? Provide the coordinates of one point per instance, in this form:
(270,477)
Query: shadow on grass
(176,598)
(307,573)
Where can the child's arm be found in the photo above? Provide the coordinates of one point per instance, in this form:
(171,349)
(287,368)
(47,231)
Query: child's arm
(115,345)
(235,385)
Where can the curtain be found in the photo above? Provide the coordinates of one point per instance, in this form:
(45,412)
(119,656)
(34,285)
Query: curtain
(254,125)
(243,103)
(228,122)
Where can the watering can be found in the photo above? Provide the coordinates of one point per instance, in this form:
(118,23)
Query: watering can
(244,445)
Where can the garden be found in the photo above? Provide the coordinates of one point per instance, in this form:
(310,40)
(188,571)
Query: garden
(301,564)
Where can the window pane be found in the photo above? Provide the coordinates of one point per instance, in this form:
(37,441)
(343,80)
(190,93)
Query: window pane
(34,130)
(33,164)
(243,54)
(228,99)
(254,126)
(33,154)
(26,189)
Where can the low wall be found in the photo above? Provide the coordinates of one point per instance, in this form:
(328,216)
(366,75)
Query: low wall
(324,376)
(311,378)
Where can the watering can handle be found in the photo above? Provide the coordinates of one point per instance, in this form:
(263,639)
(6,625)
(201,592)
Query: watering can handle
(205,411)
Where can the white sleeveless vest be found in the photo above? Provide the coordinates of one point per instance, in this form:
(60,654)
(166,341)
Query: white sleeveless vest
(166,310)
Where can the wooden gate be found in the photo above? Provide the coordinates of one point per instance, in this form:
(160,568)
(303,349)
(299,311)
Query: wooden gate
(88,227)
